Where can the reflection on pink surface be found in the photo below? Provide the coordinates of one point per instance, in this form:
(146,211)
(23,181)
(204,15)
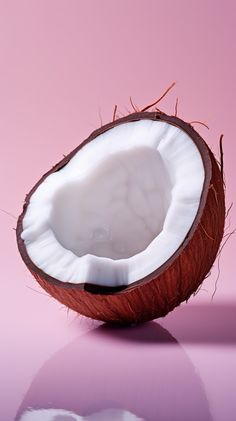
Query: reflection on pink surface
(53,414)
(142,369)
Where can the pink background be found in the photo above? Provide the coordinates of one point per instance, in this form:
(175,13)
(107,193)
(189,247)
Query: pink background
(62,64)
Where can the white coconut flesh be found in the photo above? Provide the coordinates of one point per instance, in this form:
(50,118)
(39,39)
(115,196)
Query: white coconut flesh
(119,209)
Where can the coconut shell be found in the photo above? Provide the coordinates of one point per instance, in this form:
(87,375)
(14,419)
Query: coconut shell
(172,283)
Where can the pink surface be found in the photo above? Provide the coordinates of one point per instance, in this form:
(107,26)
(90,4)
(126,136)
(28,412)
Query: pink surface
(62,64)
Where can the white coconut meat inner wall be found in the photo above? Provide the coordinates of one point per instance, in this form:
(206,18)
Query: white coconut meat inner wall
(119,209)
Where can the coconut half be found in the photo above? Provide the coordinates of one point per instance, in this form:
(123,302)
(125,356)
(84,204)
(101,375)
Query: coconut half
(128,225)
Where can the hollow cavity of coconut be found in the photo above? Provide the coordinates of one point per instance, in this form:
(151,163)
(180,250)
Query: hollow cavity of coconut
(128,225)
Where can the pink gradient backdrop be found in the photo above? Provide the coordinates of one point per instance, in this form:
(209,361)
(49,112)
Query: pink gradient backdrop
(62,64)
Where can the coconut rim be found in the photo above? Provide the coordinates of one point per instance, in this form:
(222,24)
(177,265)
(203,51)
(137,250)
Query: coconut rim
(99,289)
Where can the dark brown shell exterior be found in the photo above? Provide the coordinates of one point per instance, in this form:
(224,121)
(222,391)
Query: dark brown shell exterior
(174,282)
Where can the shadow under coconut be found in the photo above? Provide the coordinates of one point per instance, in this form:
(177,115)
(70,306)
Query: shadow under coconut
(190,324)
(100,374)
(203,324)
